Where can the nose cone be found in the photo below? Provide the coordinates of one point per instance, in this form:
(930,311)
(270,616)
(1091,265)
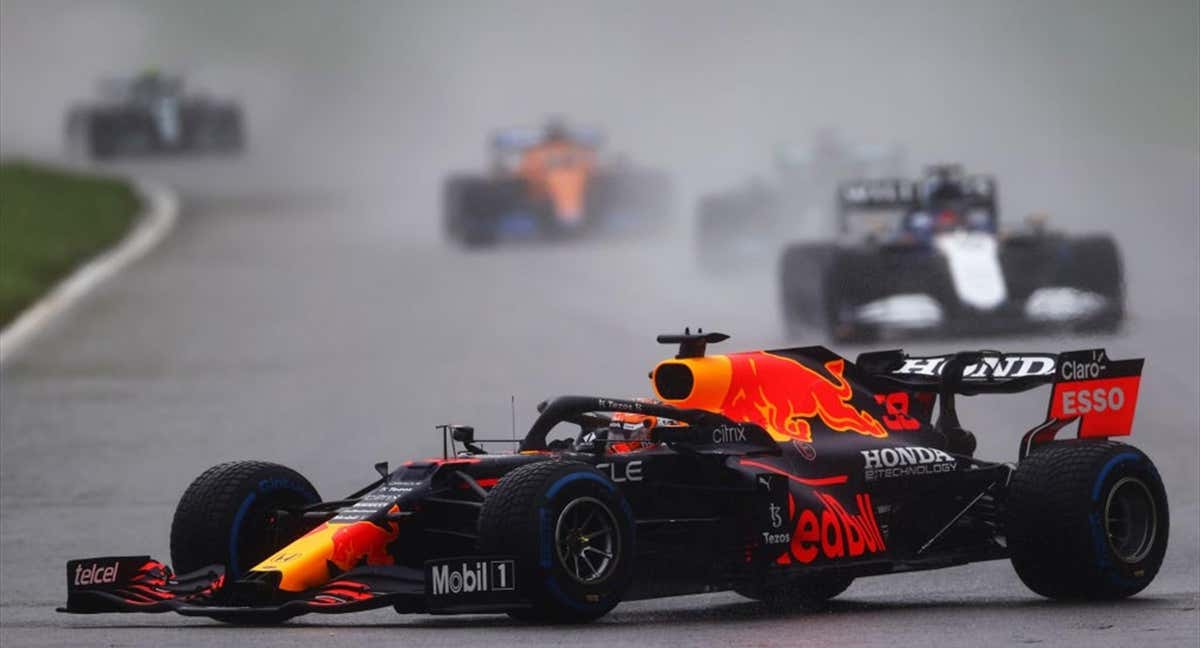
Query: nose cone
(567,188)
(305,563)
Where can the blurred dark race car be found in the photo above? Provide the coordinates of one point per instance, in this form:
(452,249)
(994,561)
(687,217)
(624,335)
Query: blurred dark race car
(782,475)
(749,225)
(151,115)
(929,257)
(552,184)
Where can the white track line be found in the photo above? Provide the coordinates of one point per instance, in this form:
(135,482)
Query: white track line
(160,208)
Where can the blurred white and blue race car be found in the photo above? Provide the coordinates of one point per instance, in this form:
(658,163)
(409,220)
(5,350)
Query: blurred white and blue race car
(928,256)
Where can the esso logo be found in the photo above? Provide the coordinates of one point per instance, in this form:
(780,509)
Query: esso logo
(1099,399)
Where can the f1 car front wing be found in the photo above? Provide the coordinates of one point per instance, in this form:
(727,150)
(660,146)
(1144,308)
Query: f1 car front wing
(139,584)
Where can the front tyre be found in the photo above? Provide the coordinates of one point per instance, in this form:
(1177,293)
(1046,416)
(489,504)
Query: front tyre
(572,533)
(1087,520)
(229,516)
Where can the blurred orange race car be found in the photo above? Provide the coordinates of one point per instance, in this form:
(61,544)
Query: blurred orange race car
(550,184)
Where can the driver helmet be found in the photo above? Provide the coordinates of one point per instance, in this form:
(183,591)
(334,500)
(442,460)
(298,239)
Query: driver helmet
(941,195)
(628,431)
(555,130)
(940,188)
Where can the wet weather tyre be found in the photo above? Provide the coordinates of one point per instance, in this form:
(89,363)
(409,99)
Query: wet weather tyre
(572,533)
(1096,267)
(806,593)
(468,203)
(1087,520)
(802,281)
(101,142)
(851,278)
(228,516)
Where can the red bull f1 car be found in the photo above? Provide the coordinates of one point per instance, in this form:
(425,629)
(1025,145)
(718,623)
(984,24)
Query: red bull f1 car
(782,475)
(928,257)
(552,184)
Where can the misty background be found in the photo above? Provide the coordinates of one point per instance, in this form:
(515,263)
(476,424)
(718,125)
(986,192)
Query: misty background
(1083,109)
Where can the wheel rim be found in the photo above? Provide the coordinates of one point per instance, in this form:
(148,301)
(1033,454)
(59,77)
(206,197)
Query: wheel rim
(1130,519)
(587,540)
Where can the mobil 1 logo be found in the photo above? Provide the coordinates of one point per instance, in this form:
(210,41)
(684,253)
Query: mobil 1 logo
(469,581)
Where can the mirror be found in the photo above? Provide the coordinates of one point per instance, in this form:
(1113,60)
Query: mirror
(462,433)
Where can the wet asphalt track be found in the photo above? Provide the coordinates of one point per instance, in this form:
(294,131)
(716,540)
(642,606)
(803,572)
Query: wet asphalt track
(308,333)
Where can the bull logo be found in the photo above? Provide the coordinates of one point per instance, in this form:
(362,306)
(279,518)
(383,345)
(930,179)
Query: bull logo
(363,542)
(781,395)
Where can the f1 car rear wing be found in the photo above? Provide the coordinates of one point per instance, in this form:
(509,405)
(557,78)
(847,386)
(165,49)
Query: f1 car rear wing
(1089,387)
(884,193)
(892,193)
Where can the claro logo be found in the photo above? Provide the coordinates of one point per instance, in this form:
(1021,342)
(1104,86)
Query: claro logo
(96,574)
(1084,370)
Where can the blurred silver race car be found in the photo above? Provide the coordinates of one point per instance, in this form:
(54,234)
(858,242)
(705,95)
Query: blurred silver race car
(550,184)
(928,256)
(150,114)
(749,225)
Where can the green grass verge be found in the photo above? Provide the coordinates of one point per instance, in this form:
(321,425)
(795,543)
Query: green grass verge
(50,222)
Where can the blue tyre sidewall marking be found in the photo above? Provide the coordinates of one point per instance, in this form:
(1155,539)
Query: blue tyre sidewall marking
(558,485)
(264,486)
(1112,463)
(235,531)
(547,534)
(1098,537)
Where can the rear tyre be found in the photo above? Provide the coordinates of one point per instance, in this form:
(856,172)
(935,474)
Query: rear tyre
(803,299)
(806,593)
(231,133)
(212,129)
(1087,520)
(851,278)
(462,198)
(100,137)
(228,516)
(572,534)
(1096,267)
(638,199)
